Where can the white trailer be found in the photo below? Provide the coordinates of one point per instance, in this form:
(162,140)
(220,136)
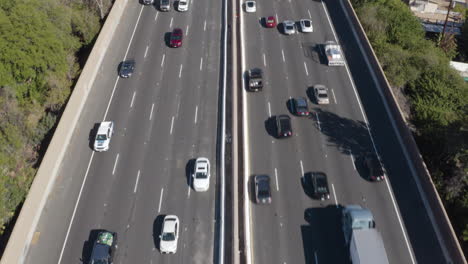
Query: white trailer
(366,247)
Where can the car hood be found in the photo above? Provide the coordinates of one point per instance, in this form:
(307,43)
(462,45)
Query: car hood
(101,143)
(168,245)
(201,184)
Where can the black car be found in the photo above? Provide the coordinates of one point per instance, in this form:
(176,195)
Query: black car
(283,126)
(104,248)
(127,68)
(373,168)
(319,185)
(262,189)
(300,106)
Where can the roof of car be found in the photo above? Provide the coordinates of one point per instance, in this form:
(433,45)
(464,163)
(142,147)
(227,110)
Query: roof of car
(301,101)
(104,126)
(169,223)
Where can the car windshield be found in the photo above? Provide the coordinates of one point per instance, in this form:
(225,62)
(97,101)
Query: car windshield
(201,175)
(168,236)
(101,137)
(307,23)
(323,95)
(165,2)
(176,37)
(250,4)
(301,103)
(321,184)
(289,27)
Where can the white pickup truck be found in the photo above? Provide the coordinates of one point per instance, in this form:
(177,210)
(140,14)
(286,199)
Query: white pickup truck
(333,54)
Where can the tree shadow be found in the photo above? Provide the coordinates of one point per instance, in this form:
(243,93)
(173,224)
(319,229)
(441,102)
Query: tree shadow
(347,135)
(157,228)
(323,240)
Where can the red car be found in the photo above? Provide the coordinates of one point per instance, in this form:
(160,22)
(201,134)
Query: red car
(176,38)
(270,22)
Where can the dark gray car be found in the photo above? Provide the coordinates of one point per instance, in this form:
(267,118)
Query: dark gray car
(127,68)
(262,189)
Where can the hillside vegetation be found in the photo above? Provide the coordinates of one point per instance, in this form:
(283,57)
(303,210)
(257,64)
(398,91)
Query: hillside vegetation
(39,42)
(437,95)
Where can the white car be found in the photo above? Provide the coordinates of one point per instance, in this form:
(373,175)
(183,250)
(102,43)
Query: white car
(201,175)
(306,25)
(321,94)
(103,136)
(289,27)
(148,2)
(250,6)
(182,6)
(169,235)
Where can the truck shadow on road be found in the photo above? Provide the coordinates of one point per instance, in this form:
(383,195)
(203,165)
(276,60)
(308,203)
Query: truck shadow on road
(323,239)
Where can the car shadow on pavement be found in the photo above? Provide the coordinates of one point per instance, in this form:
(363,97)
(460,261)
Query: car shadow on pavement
(167,39)
(270,126)
(189,170)
(290,106)
(157,228)
(322,238)
(310,94)
(92,135)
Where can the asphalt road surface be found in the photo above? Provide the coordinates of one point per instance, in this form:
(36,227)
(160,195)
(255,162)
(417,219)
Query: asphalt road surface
(296,228)
(165,116)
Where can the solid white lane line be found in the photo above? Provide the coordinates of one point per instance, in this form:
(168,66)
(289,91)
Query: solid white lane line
(302,169)
(201,63)
(146,51)
(334,97)
(318,121)
(115,163)
(136,183)
(282,53)
(276,177)
(309,13)
(186,30)
(316,259)
(334,195)
(269,110)
(204,26)
(352,159)
(305,67)
(170,24)
(172,125)
(64,244)
(160,199)
(133,98)
(156,16)
(264,60)
(151,113)
(180,72)
(162,61)
(196,113)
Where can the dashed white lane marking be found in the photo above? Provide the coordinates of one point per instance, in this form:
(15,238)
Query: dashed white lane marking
(201,63)
(302,169)
(172,125)
(282,53)
(308,11)
(196,113)
(180,71)
(318,121)
(146,51)
(204,26)
(160,200)
(269,110)
(276,178)
(162,61)
(136,183)
(276,15)
(170,24)
(305,67)
(133,98)
(334,97)
(264,60)
(352,159)
(151,112)
(334,195)
(316,259)
(156,16)
(186,30)
(115,163)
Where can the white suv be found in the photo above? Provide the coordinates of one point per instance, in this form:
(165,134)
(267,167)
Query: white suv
(169,235)
(182,5)
(201,176)
(103,136)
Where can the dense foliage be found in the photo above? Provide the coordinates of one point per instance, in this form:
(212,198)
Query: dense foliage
(39,40)
(438,97)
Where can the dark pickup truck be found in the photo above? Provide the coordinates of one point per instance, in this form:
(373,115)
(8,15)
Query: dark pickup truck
(255,80)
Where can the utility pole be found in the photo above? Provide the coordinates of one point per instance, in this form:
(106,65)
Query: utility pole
(446,18)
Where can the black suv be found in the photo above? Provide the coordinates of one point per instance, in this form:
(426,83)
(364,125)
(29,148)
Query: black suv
(373,168)
(283,126)
(126,68)
(104,248)
(318,183)
(262,189)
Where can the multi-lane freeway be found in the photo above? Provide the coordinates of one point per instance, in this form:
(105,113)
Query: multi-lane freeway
(296,228)
(165,116)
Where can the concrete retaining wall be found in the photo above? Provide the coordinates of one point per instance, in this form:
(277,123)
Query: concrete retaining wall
(28,218)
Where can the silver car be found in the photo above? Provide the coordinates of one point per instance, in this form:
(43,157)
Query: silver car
(306,25)
(289,27)
(321,94)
